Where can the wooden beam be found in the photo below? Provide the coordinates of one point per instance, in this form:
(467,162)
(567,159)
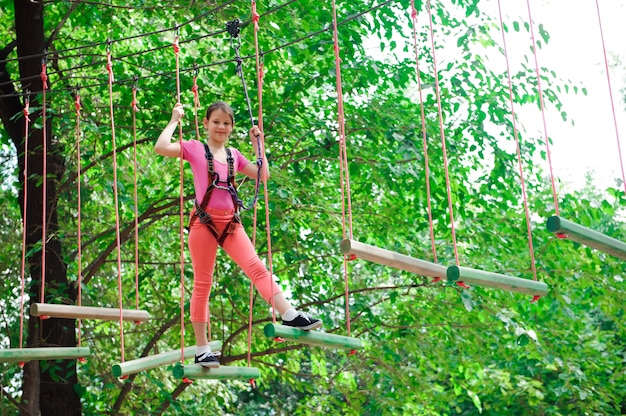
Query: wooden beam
(221,373)
(157,360)
(392,259)
(587,236)
(319,339)
(496,281)
(87,312)
(18,355)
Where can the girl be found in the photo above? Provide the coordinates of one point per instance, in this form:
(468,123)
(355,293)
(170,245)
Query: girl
(215,220)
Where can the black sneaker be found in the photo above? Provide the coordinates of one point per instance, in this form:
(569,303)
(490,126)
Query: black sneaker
(304,322)
(208,359)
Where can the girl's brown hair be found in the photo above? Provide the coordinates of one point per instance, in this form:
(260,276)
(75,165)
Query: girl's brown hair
(221,105)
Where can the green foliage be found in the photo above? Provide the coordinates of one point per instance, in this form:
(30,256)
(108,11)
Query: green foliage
(431,348)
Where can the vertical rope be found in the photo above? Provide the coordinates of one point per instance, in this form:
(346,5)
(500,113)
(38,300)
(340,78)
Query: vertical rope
(44,198)
(543,112)
(115,198)
(196,101)
(443,138)
(424,138)
(79,277)
(343,165)
(608,79)
(133,106)
(181,210)
(259,71)
(196,108)
(25,176)
(517,146)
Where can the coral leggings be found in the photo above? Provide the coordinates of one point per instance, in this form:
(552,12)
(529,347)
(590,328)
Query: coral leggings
(203,251)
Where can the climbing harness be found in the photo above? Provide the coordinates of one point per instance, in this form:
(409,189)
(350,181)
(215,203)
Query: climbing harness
(228,185)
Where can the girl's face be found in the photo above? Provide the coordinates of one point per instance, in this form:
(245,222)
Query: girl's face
(219,125)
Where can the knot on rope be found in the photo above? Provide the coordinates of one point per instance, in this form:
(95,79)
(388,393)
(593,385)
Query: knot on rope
(261,73)
(176,46)
(44,76)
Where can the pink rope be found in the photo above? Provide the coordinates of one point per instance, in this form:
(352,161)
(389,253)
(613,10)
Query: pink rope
(343,170)
(543,112)
(44,199)
(608,79)
(133,106)
(424,138)
(519,154)
(115,197)
(181,211)
(77,107)
(443,139)
(25,175)
(259,71)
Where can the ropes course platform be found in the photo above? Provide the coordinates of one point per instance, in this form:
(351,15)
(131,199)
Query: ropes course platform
(496,281)
(18,355)
(315,338)
(157,360)
(87,312)
(392,259)
(587,237)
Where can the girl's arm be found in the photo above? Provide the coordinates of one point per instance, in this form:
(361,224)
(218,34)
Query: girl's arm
(164,145)
(252,169)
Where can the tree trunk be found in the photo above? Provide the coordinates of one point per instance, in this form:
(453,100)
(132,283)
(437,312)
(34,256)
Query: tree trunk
(48,386)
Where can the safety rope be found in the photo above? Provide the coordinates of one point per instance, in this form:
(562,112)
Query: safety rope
(44,198)
(424,138)
(543,112)
(109,68)
(233,27)
(608,79)
(443,139)
(519,154)
(344,176)
(134,109)
(25,187)
(79,256)
(176,47)
(259,71)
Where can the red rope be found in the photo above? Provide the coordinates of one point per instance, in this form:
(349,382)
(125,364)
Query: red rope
(259,70)
(608,79)
(25,175)
(343,164)
(443,140)
(77,107)
(133,106)
(543,113)
(519,154)
(424,138)
(44,199)
(196,103)
(181,212)
(109,67)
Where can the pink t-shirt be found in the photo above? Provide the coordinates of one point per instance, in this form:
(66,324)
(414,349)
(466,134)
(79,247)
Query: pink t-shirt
(193,152)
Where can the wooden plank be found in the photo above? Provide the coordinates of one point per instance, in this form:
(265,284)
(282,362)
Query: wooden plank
(221,373)
(392,259)
(17,355)
(496,281)
(157,360)
(587,236)
(316,338)
(87,312)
